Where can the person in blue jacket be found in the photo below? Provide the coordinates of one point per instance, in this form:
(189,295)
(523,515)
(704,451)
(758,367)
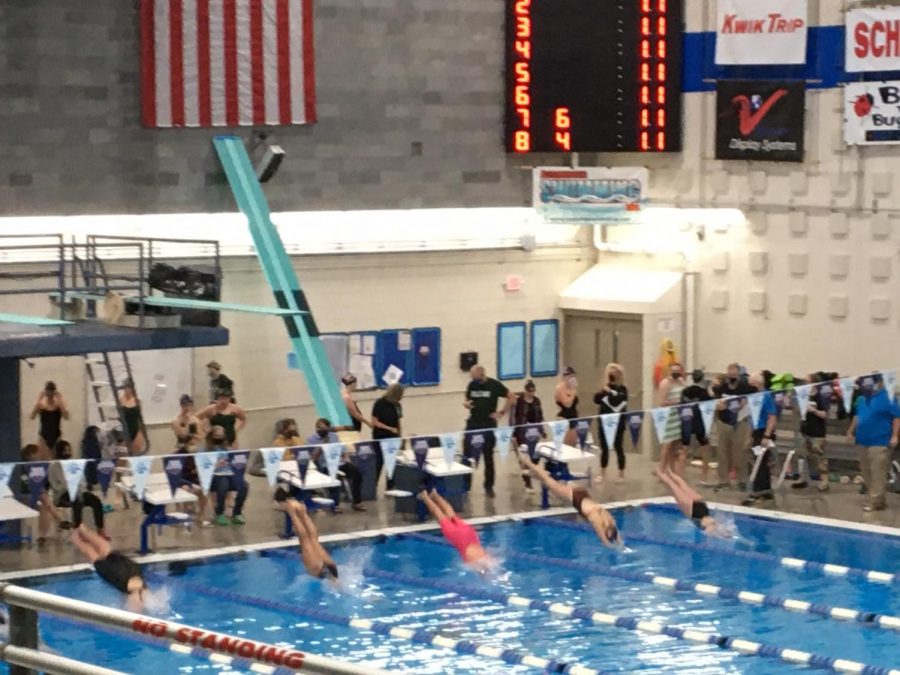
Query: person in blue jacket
(874,428)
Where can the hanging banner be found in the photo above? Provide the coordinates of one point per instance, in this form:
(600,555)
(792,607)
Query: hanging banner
(206,467)
(610,425)
(686,415)
(365,449)
(6,470)
(782,400)
(390,447)
(73,471)
(707,414)
(173,466)
(761,32)
(239,467)
(847,385)
(890,383)
(105,470)
(760,120)
(504,438)
(802,394)
(533,436)
(582,429)
(558,430)
(634,420)
(872,39)
(37,481)
(332,452)
(755,403)
(871,115)
(591,194)
(140,471)
(271,463)
(303,457)
(475,443)
(450,445)
(660,417)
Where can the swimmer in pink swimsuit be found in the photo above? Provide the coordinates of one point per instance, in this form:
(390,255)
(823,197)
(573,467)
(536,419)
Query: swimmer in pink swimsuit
(458,532)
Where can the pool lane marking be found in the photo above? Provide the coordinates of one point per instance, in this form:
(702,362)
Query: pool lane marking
(794,656)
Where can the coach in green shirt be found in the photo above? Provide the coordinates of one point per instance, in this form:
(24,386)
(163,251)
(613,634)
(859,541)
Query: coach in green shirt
(482,396)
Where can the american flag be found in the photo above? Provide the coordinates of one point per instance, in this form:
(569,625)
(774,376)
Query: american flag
(210,63)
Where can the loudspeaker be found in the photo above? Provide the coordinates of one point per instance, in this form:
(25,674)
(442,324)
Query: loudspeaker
(467,360)
(268,165)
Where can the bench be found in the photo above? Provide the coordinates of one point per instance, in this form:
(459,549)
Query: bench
(156,497)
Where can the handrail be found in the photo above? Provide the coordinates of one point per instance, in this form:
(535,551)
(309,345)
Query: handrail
(281,659)
(50,663)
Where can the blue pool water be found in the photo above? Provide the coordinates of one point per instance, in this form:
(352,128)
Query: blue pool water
(606,648)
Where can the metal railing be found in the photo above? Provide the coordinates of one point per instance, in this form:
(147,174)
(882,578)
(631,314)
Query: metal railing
(21,650)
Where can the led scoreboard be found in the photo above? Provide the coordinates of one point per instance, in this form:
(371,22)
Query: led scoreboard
(593,75)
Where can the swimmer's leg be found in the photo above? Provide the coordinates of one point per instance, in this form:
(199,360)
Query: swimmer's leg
(433,508)
(443,504)
(92,545)
(564,492)
(684,496)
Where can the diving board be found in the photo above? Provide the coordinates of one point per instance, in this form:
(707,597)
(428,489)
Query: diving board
(276,265)
(189,303)
(26,320)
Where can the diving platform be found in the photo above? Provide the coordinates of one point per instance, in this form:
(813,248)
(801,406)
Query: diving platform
(26,320)
(185,303)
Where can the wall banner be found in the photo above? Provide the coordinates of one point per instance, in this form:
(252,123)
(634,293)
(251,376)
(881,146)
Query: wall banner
(760,120)
(873,39)
(872,113)
(754,32)
(590,194)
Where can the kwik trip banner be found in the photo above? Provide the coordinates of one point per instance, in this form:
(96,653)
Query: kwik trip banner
(872,113)
(760,120)
(752,32)
(593,194)
(873,39)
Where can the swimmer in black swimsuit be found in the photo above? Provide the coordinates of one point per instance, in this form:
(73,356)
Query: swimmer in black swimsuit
(691,503)
(600,519)
(52,410)
(119,571)
(316,560)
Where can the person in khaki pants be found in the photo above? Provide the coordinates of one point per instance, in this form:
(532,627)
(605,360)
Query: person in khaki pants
(874,429)
(733,427)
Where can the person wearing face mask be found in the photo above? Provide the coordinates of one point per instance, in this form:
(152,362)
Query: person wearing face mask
(481,398)
(874,429)
(566,397)
(734,427)
(326,435)
(225,414)
(527,410)
(612,398)
(59,492)
(186,426)
(224,480)
(287,437)
(814,430)
(694,394)
(671,457)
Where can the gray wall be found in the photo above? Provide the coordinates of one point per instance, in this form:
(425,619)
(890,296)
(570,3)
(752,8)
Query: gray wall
(390,73)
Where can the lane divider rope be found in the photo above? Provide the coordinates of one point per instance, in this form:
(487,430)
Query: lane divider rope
(790,563)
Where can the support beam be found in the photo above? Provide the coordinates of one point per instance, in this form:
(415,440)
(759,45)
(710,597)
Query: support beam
(10,430)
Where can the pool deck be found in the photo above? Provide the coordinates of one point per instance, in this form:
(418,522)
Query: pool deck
(841,503)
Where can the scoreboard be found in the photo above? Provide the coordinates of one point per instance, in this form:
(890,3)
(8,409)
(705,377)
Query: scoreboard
(593,75)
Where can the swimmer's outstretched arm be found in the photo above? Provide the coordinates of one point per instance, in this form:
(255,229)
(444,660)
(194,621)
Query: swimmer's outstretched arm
(562,491)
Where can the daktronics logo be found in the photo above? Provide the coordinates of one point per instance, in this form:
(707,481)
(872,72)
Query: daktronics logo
(753,109)
(775,22)
(879,39)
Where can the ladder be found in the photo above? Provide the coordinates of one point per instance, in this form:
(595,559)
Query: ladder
(301,327)
(106,372)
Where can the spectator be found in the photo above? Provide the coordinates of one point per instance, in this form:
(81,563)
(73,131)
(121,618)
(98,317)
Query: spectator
(225,414)
(46,510)
(356,417)
(481,399)
(813,428)
(59,491)
(733,427)
(667,357)
(694,394)
(287,437)
(130,407)
(875,427)
(387,417)
(190,481)
(566,396)
(527,410)
(611,399)
(224,480)
(218,381)
(52,409)
(671,456)
(187,426)
(763,440)
(326,435)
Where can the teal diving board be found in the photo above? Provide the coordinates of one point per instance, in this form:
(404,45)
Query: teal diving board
(190,303)
(26,320)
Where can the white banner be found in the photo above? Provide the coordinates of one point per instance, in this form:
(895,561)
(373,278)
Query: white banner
(755,403)
(271,463)
(206,466)
(504,436)
(389,449)
(707,413)
(610,424)
(140,471)
(450,444)
(332,453)
(802,394)
(660,421)
(890,383)
(872,40)
(73,470)
(847,385)
(761,32)
(589,194)
(5,474)
(558,429)
(872,113)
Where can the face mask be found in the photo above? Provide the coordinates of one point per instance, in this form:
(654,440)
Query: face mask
(732,380)
(612,378)
(218,441)
(572,381)
(323,433)
(676,376)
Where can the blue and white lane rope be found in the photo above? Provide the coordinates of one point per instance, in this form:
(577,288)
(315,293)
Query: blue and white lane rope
(793,656)
(420,635)
(790,563)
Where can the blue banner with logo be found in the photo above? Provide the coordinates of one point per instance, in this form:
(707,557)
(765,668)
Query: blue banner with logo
(174,469)
(37,481)
(420,451)
(239,467)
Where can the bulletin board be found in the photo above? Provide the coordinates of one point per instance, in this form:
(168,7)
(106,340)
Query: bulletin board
(395,348)
(335,345)
(545,348)
(426,357)
(362,359)
(511,342)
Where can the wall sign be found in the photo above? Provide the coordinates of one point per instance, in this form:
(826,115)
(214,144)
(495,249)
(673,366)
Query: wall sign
(760,120)
(873,39)
(589,193)
(872,113)
(761,32)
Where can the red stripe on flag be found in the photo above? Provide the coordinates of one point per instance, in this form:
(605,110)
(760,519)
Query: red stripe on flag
(148,65)
(284,62)
(176,61)
(204,102)
(231,76)
(309,64)
(256,63)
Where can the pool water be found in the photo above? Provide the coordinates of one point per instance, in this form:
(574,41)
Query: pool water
(463,615)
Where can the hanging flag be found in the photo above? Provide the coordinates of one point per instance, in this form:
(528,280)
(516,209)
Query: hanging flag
(782,400)
(206,467)
(846,385)
(890,383)
(6,471)
(271,463)
(239,467)
(558,430)
(365,450)
(635,421)
(504,438)
(332,453)
(105,470)
(532,437)
(73,471)
(37,480)
(213,63)
(140,471)
(733,406)
(450,444)
(582,429)
(389,449)
(707,414)
(755,403)
(420,451)
(173,465)
(660,417)
(802,394)
(303,458)
(475,442)
(610,426)
(686,414)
